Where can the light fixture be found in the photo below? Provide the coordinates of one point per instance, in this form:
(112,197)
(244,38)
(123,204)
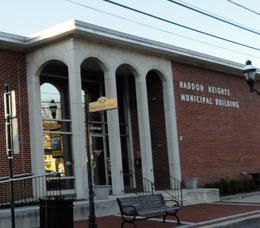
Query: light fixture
(53,108)
(249,73)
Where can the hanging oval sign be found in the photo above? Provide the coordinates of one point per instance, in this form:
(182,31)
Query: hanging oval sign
(103,104)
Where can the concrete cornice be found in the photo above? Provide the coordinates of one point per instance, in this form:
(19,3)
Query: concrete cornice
(84,30)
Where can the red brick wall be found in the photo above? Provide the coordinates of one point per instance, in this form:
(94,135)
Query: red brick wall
(217,141)
(13,72)
(157,121)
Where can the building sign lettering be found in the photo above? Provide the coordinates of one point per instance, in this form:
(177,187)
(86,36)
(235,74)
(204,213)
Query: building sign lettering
(192,86)
(221,91)
(204,99)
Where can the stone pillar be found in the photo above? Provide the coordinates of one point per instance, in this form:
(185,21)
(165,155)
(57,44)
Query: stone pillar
(74,60)
(35,117)
(171,130)
(114,137)
(144,128)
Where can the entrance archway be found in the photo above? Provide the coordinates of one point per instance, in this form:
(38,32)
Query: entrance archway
(57,129)
(92,82)
(158,130)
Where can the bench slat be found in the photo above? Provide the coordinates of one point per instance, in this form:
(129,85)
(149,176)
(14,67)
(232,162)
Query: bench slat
(139,199)
(155,210)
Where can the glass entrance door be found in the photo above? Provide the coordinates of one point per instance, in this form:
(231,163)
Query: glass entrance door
(99,158)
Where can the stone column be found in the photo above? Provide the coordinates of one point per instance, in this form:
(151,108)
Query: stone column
(35,117)
(171,130)
(74,58)
(114,137)
(144,128)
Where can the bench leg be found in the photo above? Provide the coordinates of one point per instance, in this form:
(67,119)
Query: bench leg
(128,221)
(173,214)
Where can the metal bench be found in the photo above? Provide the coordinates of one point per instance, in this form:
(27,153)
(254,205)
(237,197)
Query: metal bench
(147,204)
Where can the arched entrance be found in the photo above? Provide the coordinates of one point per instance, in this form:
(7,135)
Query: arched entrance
(57,128)
(125,81)
(158,130)
(92,82)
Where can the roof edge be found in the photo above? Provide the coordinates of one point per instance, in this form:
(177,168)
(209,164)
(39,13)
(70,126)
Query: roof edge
(83,29)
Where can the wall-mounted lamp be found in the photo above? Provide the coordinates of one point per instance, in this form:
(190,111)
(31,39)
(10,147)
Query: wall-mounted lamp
(249,73)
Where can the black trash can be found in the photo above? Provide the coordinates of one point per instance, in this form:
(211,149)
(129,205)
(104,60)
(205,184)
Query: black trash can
(56,212)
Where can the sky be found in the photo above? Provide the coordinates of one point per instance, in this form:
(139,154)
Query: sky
(31,16)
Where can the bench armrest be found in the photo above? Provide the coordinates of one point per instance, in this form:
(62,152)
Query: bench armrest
(129,211)
(177,203)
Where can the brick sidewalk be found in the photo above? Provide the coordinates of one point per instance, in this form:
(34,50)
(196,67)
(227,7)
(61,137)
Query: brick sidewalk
(201,215)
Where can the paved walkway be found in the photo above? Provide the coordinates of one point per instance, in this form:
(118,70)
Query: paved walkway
(241,211)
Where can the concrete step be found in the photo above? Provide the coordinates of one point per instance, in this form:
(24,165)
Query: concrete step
(190,197)
(196,196)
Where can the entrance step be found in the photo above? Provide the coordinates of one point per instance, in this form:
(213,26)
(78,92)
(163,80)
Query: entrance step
(196,196)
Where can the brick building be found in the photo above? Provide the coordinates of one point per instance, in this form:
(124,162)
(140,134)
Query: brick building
(181,113)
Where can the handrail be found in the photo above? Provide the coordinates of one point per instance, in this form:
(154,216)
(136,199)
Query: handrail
(53,175)
(28,190)
(18,175)
(176,193)
(142,186)
(169,185)
(68,178)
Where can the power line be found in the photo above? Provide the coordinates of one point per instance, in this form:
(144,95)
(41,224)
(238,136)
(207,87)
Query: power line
(217,15)
(183,26)
(244,7)
(214,17)
(161,30)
